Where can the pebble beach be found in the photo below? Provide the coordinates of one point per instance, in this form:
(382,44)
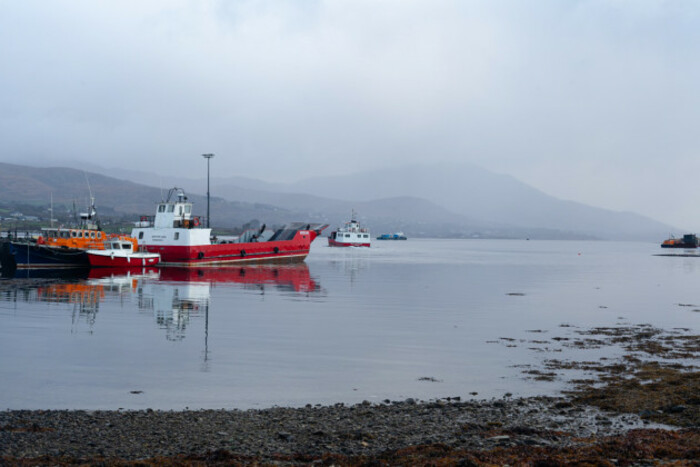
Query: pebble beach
(280,435)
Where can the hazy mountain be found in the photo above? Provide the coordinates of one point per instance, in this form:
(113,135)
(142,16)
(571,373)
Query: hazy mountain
(496,201)
(437,201)
(115,197)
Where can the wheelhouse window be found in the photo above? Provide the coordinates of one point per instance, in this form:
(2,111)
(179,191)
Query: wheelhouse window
(161,208)
(171,207)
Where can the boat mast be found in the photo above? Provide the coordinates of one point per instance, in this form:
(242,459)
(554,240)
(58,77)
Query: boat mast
(51,210)
(208,157)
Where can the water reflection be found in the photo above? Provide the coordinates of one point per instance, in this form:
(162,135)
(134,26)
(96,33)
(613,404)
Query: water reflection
(45,273)
(84,297)
(294,278)
(174,296)
(351,266)
(173,304)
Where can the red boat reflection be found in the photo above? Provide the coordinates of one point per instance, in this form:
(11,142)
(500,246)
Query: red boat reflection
(123,273)
(293,276)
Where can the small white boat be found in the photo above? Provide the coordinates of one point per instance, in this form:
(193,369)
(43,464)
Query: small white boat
(121,254)
(353,234)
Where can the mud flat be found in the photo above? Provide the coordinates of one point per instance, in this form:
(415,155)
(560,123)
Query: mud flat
(640,409)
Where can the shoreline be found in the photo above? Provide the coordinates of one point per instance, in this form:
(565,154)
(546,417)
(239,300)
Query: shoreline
(534,428)
(623,420)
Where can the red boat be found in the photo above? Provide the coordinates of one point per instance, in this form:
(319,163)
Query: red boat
(181,241)
(120,254)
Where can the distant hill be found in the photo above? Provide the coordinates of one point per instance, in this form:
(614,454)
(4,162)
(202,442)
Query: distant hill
(429,201)
(492,202)
(114,197)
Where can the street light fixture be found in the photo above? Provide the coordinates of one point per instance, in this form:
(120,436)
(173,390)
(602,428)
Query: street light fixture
(208,157)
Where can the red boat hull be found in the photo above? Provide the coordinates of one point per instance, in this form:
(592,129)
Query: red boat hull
(292,250)
(120,261)
(332,242)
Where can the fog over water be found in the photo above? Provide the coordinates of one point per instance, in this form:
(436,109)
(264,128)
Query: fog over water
(594,101)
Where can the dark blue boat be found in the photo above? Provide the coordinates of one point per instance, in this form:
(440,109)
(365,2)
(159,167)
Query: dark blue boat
(394,236)
(29,254)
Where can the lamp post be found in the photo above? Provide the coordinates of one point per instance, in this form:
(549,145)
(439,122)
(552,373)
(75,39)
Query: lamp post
(208,157)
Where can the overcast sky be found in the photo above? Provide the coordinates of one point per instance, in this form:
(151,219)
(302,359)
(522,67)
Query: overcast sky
(596,101)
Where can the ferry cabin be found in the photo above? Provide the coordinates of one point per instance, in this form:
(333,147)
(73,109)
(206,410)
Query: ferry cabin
(72,238)
(353,238)
(172,225)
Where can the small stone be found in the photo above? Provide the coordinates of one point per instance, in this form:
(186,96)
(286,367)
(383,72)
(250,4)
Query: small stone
(675,409)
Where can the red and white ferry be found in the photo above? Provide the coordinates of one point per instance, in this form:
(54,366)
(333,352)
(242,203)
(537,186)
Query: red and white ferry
(353,234)
(118,253)
(181,241)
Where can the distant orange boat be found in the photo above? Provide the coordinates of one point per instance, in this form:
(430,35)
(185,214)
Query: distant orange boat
(687,241)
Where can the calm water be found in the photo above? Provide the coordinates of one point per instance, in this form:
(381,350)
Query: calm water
(345,326)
